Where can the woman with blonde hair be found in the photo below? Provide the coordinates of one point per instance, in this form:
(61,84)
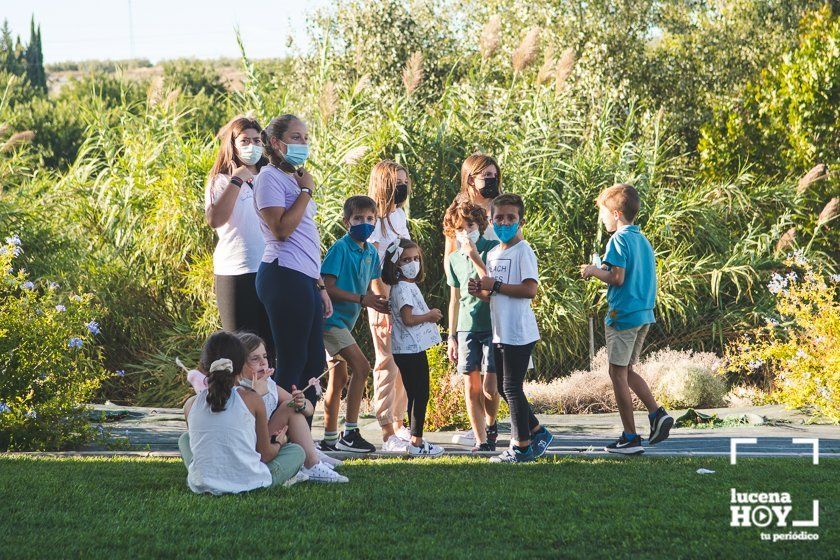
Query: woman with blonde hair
(389,187)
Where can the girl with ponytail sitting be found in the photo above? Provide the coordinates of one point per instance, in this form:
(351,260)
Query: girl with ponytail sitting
(228,448)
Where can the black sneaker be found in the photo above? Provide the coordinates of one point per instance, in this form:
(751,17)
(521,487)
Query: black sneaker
(487,446)
(325,445)
(493,434)
(354,443)
(626,446)
(660,426)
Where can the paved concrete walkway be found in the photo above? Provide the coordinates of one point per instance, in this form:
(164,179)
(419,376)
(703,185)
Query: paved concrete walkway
(155,431)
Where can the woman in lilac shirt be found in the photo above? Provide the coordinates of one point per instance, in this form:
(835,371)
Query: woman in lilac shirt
(289,280)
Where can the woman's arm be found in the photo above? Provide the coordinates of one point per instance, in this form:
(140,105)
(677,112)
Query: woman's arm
(284,221)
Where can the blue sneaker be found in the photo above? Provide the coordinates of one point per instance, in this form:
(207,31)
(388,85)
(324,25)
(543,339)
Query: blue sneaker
(540,442)
(513,456)
(626,446)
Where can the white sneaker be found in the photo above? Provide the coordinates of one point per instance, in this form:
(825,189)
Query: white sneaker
(464,438)
(298,477)
(404,434)
(395,445)
(327,460)
(320,472)
(426,449)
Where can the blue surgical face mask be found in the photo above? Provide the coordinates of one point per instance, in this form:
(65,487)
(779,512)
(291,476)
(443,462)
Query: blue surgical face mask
(361,232)
(296,154)
(506,232)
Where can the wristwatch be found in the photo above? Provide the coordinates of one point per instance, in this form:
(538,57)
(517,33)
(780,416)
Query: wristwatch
(307,190)
(237,181)
(361,299)
(497,285)
(321,287)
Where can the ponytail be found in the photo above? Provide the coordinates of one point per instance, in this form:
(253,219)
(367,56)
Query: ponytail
(222,358)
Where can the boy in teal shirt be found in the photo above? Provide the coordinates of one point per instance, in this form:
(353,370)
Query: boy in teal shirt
(470,331)
(629,270)
(348,268)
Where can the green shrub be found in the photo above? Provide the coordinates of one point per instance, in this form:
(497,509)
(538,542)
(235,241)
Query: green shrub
(50,362)
(795,356)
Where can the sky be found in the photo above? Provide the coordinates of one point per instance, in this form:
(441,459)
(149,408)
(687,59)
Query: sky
(73,30)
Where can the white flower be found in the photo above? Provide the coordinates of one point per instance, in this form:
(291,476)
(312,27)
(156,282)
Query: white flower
(771,322)
(799,257)
(28,285)
(13,240)
(755,364)
(60,308)
(54,285)
(835,278)
(777,283)
(801,353)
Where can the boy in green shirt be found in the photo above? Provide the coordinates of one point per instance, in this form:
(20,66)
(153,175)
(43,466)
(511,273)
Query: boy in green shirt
(470,334)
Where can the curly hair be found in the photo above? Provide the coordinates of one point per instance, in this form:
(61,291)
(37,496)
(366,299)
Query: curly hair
(462,212)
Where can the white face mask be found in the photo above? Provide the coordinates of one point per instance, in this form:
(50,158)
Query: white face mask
(250,154)
(473,236)
(410,270)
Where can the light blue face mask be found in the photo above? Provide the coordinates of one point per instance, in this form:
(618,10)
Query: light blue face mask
(507,232)
(296,154)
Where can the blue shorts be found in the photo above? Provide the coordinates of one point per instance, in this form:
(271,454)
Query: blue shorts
(475,352)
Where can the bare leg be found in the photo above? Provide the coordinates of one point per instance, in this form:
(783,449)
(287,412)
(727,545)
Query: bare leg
(618,375)
(298,433)
(359,369)
(491,398)
(332,396)
(640,387)
(475,405)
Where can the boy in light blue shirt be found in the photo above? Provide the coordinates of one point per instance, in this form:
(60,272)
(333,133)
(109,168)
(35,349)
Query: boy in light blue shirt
(629,270)
(348,268)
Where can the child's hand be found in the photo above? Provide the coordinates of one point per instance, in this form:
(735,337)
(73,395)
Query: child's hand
(298,398)
(435,315)
(487,283)
(279,437)
(586,271)
(474,287)
(378,303)
(452,350)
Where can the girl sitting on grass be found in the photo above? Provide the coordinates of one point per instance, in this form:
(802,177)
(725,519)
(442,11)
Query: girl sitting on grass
(287,412)
(227,448)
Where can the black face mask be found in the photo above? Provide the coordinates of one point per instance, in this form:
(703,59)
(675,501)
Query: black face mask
(490,188)
(400,193)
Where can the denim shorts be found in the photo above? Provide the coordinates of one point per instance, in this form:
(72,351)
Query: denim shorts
(475,352)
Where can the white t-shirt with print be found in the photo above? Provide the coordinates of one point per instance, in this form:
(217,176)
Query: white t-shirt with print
(383,235)
(405,339)
(241,245)
(513,319)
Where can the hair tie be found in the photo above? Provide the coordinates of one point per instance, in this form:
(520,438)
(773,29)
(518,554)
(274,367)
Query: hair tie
(397,250)
(222,364)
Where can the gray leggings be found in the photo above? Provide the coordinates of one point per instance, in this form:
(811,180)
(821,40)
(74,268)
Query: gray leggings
(283,467)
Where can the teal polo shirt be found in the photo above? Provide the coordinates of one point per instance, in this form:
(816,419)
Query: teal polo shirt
(353,267)
(631,304)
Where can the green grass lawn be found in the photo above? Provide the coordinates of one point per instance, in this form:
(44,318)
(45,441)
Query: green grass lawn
(648,507)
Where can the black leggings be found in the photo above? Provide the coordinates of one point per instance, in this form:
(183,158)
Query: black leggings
(414,370)
(511,367)
(296,313)
(241,309)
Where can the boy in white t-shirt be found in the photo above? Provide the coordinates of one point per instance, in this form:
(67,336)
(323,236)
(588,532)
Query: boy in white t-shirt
(510,285)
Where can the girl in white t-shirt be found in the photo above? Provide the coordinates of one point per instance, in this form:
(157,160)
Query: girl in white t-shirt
(229,209)
(389,187)
(414,331)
